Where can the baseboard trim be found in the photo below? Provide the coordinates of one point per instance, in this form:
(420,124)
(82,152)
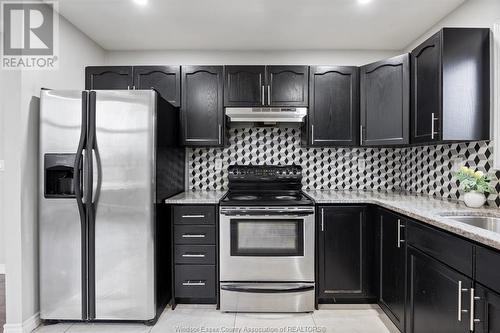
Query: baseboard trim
(2,268)
(27,326)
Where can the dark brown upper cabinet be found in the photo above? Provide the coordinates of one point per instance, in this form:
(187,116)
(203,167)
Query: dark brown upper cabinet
(334,107)
(244,86)
(287,85)
(166,80)
(385,102)
(202,113)
(450,98)
(109,77)
(265,86)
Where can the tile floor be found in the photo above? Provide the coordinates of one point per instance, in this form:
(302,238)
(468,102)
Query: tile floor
(203,318)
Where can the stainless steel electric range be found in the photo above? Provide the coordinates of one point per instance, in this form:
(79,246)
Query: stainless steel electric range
(266,241)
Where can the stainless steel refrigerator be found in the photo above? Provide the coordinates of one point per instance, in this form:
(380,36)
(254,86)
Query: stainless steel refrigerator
(107,160)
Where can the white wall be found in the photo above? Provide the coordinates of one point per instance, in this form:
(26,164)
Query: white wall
(20,150)
(215,57)
(472,13)
(2,231)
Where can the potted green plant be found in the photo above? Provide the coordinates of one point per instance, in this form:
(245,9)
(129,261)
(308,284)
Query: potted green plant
(475,184)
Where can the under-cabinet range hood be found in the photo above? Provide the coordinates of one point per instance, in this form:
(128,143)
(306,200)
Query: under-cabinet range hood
(266,116)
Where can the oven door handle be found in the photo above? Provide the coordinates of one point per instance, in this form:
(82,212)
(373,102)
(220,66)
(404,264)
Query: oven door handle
(253,289)
(265,214)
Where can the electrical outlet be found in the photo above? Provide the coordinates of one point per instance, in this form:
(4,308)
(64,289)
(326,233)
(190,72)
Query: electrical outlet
(361,165)
(2,165)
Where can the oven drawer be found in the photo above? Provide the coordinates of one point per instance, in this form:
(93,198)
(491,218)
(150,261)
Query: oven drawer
(267,297)
(194,234)
(195,281)
(189,214)
(195,254)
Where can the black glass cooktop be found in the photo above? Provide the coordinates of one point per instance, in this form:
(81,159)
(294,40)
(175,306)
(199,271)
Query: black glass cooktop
(267,198)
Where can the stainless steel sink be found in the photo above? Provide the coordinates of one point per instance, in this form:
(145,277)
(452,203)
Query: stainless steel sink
(491,223)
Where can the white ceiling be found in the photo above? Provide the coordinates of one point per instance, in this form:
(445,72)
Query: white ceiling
(256,24)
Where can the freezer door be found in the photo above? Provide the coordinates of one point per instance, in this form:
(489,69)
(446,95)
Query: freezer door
(124,181)
(60,226)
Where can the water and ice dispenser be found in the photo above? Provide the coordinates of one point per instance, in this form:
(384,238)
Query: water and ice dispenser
(59,175)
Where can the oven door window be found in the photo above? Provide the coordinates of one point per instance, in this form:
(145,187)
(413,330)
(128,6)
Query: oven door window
(267,238)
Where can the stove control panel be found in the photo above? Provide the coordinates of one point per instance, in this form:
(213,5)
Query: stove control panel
(264,172)
(265,177)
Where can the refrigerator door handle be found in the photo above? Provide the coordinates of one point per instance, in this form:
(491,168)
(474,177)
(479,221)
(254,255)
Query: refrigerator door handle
(90,147)
(97,170)
(78,184)
(81,195)
(90,206)
(95,167)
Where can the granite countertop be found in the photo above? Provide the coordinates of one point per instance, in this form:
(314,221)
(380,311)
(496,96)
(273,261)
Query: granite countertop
(424,208)
(196,197)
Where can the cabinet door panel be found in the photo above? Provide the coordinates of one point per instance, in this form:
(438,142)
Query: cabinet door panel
(487,311)
(108,78)
(433,296)
(202,110)
(164,79)
(426,90)
(244,86)
(392,266)
(333,113)
(288,85)
(342,252)
(385,102)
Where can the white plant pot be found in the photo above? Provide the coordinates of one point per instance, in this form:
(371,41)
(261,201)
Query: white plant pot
(474,199)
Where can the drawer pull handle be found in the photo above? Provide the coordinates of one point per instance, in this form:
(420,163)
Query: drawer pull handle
(194,283)
(200,216)
(193,255)
(193,236)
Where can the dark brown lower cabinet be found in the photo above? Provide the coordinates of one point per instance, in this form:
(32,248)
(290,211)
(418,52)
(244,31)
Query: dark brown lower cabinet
(194,254)
(487,310)
(345,255)
(438,299)
(392,266)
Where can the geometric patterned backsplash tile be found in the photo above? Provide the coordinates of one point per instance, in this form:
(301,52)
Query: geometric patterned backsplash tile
(423,169)
(430,169)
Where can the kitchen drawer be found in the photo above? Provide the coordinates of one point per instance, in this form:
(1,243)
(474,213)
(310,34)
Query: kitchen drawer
(194,234)
(195,254)
(195,281)
(188,214)
(449,249)
(487,272)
